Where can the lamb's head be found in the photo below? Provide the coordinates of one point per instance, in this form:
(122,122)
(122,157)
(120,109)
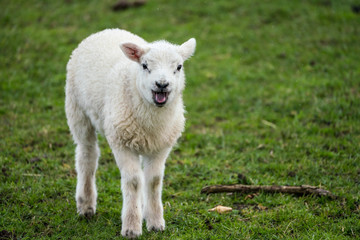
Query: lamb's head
(160,77)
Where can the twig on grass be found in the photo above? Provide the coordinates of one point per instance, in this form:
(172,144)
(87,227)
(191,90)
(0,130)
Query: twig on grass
(297,190)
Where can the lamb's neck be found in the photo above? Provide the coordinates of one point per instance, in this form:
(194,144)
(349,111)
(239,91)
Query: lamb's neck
(150,115)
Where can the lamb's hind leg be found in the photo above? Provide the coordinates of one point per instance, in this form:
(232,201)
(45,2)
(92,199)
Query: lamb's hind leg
(86,164)
(86,158)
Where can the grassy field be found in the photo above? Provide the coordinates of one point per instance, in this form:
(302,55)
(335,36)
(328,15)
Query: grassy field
(273,94)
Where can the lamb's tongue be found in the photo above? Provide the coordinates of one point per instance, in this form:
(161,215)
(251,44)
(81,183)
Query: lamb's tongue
(160,97)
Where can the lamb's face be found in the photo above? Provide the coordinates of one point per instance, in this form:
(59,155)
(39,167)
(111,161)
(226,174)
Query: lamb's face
(161,78)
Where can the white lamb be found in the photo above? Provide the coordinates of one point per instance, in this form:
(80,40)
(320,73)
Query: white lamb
(131,92)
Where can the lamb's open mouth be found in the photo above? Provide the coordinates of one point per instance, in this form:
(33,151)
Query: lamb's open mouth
(160,97)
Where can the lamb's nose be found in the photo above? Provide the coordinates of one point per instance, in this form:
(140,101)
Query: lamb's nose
(161,84)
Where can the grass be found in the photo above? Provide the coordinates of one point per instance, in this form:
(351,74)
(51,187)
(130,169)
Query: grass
(273,93)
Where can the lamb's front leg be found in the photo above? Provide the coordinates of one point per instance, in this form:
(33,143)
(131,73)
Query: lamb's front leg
(131,186)
(154,167)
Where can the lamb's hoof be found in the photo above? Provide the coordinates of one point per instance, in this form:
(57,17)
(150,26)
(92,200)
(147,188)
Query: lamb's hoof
(85,208)
(87,212)
(156,228)
(156,225)
(130,233)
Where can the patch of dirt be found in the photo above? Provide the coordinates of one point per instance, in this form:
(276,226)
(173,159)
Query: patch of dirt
(5,171)
(208,224)
(5,235)
(291,174)
(242,179)
(125,4)
(355,9)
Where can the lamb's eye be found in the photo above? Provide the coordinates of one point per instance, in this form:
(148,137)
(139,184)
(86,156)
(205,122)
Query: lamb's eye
(145,67)
(179,67)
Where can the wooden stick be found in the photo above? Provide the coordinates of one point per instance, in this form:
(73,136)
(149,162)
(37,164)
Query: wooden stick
(298,190)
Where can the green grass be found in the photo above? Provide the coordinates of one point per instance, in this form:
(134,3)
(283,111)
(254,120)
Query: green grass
(273,93)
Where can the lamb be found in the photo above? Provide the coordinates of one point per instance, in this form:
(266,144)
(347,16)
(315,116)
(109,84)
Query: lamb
(130,91)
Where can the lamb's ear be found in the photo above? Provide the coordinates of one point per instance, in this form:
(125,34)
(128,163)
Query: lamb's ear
(187,49)
(133,51)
